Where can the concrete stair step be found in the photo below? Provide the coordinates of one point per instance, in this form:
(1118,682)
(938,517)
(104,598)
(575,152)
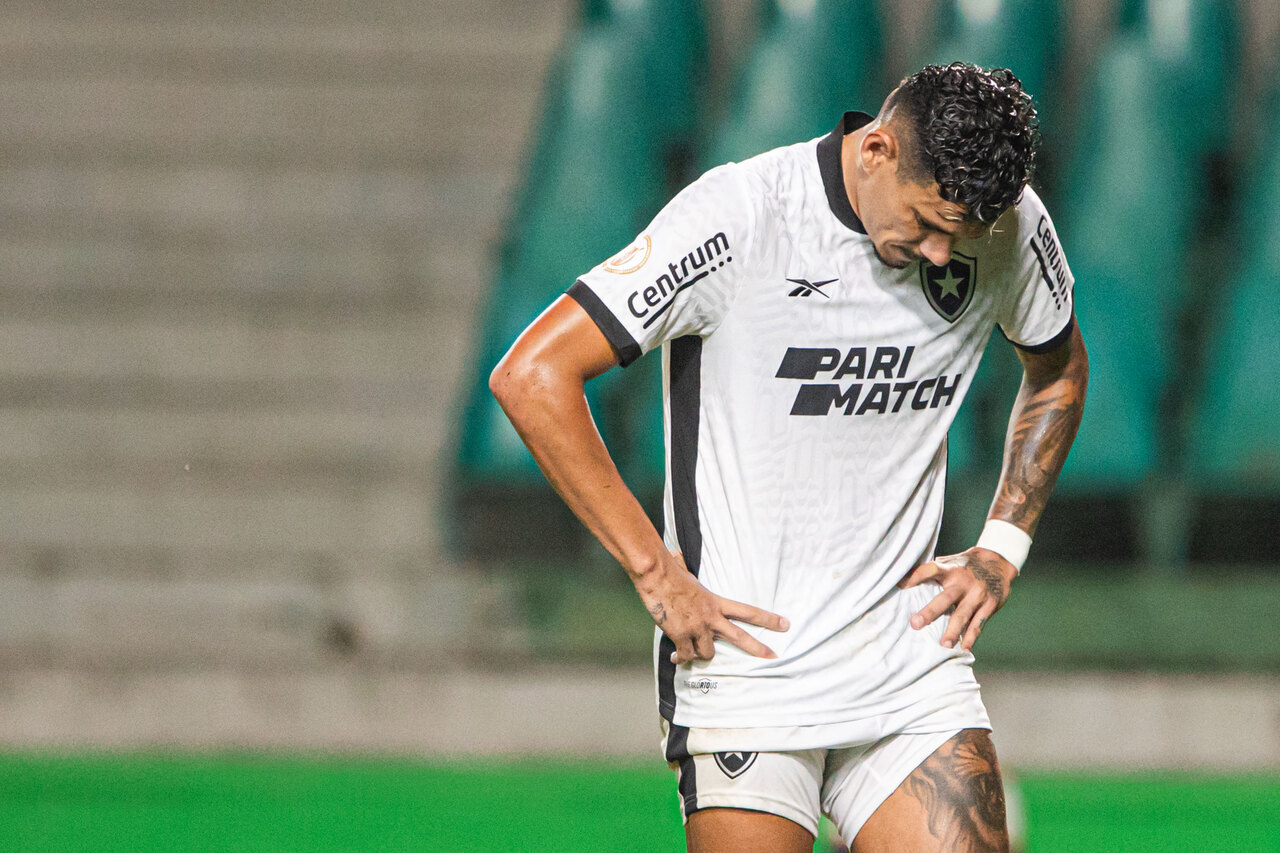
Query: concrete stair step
(201,206)
(472,54)
(185,512)
(245,622)
(252,123)
(409,353)
(54,444)
(66,276)
(250,13)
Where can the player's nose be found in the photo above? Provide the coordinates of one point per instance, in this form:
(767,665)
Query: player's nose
(936,249)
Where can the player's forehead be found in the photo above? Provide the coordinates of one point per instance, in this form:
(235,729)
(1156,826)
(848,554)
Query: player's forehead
(926,200)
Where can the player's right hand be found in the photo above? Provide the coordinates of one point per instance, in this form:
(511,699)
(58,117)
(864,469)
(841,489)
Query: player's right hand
(693,617)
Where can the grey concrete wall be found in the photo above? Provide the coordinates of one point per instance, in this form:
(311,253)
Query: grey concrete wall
(1041,721)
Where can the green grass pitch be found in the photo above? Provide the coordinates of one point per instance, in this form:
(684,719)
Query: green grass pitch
(143,802)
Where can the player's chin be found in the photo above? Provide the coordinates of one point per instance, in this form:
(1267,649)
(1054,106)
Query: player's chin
(892,256)
(894,264)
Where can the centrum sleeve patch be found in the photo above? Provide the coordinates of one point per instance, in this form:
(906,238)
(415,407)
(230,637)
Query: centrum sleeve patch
(680,275)
(1038,298)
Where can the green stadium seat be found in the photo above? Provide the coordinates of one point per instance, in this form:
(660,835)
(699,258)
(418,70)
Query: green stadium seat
(810,62)
(1233,452)
(1126,227)
(1022,35)
(600,176)
(1235,437)
(1195,46)
(671,39)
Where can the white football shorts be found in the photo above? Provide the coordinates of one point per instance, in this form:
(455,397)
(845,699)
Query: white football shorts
(846,784)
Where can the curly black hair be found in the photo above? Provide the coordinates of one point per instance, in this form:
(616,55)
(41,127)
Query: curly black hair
(972,130)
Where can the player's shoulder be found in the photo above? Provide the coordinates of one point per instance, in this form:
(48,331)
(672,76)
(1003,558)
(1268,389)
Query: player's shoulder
(754,188)
(772,182)
(781,167)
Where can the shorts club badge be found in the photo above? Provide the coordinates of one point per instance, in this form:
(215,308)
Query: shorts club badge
(734,764)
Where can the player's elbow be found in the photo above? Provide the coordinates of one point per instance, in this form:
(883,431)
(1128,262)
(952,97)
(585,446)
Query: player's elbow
(513,379)
(504,385)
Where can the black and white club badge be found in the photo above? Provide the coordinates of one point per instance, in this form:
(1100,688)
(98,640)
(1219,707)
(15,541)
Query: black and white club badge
(949,288)
(734,764)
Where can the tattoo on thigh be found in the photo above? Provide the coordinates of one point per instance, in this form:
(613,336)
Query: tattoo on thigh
(959,787)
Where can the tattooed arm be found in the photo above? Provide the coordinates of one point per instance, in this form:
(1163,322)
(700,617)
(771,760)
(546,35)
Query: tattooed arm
(1045,418)
(1042,426)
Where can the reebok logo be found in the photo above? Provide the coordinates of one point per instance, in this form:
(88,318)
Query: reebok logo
(888,363)
(808,288)
(652,301)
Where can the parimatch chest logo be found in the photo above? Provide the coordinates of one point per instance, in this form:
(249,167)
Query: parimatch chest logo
(734,764)
(832,392)
(949,288)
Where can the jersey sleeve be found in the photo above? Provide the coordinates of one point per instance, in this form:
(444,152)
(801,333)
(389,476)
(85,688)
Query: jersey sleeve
(680,275)
(1037,314)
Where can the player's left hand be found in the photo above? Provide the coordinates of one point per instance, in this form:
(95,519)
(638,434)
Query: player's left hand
(975,584)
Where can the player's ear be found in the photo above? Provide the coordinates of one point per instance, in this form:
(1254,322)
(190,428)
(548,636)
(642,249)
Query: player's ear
(879,149)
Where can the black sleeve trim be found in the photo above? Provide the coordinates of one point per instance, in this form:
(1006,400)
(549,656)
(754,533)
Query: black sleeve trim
(616,333)
(1053,343)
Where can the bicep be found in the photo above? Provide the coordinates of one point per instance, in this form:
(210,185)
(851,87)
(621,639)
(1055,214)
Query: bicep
(1070,360)
(563,339)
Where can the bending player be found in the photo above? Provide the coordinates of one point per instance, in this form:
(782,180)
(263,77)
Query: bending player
(821,310)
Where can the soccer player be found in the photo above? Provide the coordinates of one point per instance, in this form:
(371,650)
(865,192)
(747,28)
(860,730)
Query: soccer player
(821,310)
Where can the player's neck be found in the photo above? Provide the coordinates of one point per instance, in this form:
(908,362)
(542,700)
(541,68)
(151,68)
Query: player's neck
(850,146)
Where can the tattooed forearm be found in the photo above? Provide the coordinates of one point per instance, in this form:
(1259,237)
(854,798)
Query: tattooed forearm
(960,790)
(659,614)
(1045,418)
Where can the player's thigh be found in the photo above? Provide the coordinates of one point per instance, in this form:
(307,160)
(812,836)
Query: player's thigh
(745,801)
(724,830)
(953,802)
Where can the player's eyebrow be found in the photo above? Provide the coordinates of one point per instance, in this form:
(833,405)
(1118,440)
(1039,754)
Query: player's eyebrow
(933,226)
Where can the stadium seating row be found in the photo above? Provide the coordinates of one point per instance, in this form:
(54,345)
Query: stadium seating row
(1181,364)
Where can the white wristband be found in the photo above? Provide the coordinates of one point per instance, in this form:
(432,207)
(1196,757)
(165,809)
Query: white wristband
(1007,540)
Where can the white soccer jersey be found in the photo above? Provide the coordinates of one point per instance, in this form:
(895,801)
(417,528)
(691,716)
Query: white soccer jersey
(809,389)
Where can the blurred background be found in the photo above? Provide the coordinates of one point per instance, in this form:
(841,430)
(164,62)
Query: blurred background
(275,574)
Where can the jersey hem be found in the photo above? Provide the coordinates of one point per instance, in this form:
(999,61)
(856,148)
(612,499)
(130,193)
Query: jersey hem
(1050,345)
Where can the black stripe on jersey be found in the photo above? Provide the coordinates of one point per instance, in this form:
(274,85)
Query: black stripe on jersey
(684,366)
(678,753)
(1051,344)
(616,333)
(831,167)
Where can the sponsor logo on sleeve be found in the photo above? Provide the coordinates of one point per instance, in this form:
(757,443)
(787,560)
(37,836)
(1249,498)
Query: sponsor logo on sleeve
(632,258)
(653,300)
(1053,267)
(949,288)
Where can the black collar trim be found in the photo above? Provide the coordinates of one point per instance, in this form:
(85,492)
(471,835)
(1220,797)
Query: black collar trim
(832,169)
